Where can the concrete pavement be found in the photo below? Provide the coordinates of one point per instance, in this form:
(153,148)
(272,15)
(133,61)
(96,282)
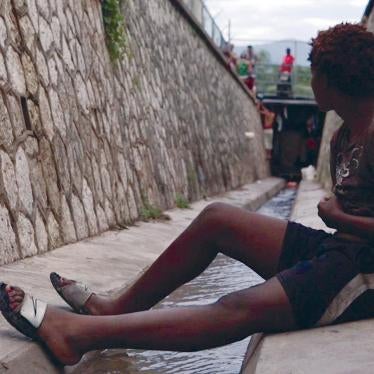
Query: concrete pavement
(107,262)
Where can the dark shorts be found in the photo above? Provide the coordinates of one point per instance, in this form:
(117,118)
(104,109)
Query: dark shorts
(327,279)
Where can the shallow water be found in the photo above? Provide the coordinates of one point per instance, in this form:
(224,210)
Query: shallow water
(223,276)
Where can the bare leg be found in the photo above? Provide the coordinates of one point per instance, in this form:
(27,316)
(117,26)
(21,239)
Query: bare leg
(232,318)
(254,239)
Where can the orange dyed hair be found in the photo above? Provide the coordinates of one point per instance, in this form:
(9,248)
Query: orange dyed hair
(345,54)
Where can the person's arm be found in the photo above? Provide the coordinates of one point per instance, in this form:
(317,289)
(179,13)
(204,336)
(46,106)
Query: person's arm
(331,212)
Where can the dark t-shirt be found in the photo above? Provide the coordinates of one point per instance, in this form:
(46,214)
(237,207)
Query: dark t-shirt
(352,171)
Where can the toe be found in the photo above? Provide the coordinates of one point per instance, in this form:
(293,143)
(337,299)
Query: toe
(59,281)
(16,296)
(15,291)
(16,307)
(16,299)
(8,288)
(65,282)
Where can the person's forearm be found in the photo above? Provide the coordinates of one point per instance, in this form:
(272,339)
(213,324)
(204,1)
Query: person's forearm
(356,225)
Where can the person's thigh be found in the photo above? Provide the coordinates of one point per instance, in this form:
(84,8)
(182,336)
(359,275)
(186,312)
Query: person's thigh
(254,239)
(262,308)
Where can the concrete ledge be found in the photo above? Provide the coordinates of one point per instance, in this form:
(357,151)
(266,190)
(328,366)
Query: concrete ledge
(338,349)
(344,348)
(107,262)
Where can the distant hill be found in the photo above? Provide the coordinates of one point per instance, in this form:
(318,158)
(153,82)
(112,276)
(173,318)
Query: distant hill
(277,50)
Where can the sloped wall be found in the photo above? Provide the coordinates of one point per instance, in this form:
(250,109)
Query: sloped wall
(85,144)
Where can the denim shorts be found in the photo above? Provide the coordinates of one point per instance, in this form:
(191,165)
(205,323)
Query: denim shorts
(327,279)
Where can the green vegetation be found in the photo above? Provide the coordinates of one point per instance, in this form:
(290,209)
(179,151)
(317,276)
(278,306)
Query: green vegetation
(150,212)
(302,85)
(263,57)
(182,202)
(191,176)
(115,28)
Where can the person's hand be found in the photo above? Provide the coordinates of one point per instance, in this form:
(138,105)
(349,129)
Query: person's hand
(329,209)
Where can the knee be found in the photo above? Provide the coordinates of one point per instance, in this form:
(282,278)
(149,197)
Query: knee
(214,213)
(233,303)
(238,321)
(245,305)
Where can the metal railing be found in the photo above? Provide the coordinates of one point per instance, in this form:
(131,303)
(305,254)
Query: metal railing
(268,78)
(205,19)
(267,75)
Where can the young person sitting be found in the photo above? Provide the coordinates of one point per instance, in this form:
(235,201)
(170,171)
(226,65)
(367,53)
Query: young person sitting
(312,278)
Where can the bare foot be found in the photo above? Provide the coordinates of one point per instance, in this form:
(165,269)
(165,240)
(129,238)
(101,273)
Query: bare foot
(56,330)
(96,305)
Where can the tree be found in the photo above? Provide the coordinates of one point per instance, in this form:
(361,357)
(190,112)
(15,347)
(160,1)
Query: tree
(263,57)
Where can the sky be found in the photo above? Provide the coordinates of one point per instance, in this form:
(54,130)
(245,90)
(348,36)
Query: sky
(269,20)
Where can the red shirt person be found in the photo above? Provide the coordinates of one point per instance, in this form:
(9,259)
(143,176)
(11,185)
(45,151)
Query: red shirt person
(287,63)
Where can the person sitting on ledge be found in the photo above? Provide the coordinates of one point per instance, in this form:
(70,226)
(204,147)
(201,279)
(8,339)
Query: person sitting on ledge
(312,278)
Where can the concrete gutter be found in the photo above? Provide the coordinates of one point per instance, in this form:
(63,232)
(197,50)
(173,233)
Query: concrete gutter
(107,262)
(345,348)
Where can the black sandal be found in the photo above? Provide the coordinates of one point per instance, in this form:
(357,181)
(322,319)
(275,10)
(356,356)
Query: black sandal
(29,317)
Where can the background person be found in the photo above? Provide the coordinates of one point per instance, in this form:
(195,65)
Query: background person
(286,67)
(287,63)
(231,58)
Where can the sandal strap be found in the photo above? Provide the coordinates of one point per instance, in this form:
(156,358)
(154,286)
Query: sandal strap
(33,310)
(76,294)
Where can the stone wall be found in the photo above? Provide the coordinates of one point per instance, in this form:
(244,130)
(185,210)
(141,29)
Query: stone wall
(85,144)
(332,123)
